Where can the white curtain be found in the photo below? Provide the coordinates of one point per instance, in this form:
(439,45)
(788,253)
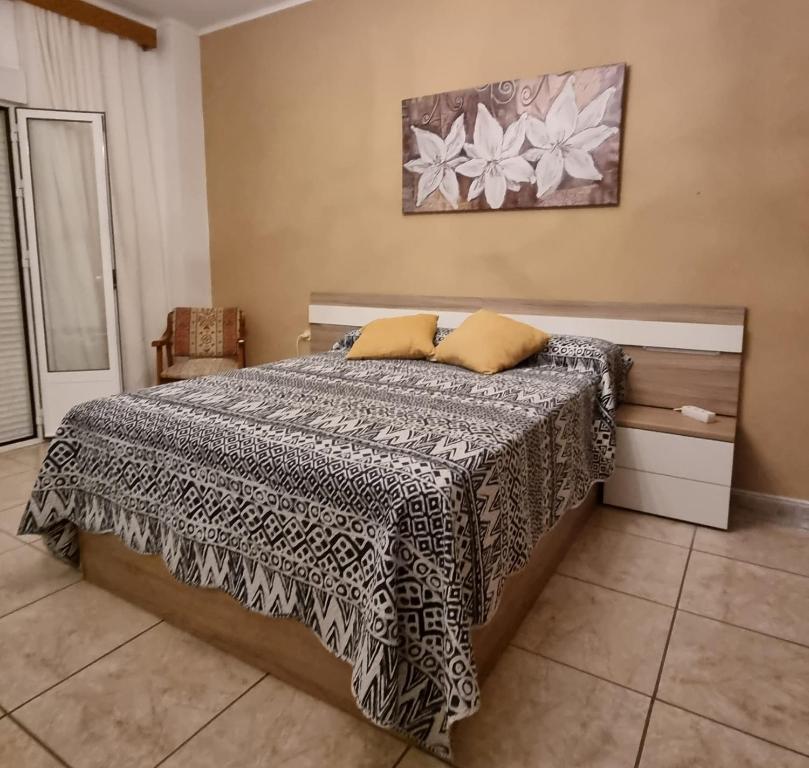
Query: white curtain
(71,66)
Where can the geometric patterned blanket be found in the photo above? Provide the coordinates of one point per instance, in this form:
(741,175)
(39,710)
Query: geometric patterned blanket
(381,503)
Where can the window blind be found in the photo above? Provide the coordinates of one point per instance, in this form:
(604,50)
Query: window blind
(16,416)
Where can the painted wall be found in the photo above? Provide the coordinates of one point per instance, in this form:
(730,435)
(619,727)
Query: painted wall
(303,143)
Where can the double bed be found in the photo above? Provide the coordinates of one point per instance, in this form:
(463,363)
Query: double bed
(404,513)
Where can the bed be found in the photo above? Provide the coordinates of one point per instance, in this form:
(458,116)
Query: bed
(404,513)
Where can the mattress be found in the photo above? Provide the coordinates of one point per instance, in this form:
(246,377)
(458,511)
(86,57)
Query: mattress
(381,503)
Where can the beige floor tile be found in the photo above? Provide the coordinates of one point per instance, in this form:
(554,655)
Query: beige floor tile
(30,456)
(536,712)
(7,542)
(10,466)
(50,639)
(134,706)
(670,531)
(415,758)
(756,542)
(678,739)
(757,684)
(16,489)
(27,574)
(751,596)
(640,566)
(19,750)
(275,724)
(10,518)
(10,522)
(612,635)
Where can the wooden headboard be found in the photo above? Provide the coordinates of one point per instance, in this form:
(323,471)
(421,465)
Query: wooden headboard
(684,354)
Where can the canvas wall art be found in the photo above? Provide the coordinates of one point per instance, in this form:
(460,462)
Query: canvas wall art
(546,142)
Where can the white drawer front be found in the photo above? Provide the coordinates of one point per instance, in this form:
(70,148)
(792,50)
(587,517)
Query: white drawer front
(694,458)
(703,503)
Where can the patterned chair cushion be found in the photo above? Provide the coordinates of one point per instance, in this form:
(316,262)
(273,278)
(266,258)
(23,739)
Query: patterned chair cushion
(199,366)
(205,332)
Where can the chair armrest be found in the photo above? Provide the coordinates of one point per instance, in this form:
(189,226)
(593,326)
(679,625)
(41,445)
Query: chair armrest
(162,341)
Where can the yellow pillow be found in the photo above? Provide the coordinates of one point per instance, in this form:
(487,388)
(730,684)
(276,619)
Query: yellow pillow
(488,343)
(405,338)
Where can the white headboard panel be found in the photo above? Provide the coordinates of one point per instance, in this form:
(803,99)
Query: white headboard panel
(708,337)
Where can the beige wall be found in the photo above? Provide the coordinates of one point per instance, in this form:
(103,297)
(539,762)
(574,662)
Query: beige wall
(303,136)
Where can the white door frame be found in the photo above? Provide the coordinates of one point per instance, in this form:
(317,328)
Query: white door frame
(22,244)
(60,390)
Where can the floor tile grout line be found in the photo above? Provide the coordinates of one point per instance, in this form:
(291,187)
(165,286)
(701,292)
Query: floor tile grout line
(732,727)
(653,697)
(26,543)
(695,547)
(613,589)
(24,471)
(750,562)
(638,535)
(18,542)
(645,730)
(199,730)
(82,668)
(401,757)
(15,462)
(580,669)
(692,612)
(55,591)
(18,503)
(16,535)
(31,735)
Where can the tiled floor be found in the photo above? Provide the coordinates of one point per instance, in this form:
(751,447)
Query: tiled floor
(654,646)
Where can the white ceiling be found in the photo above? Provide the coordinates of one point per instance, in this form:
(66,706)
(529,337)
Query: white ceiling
(202,15)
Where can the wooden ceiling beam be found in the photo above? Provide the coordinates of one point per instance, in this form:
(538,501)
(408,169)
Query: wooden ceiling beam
(100,18)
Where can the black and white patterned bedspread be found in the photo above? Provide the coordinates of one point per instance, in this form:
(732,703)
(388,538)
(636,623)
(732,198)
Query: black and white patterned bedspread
(381,503)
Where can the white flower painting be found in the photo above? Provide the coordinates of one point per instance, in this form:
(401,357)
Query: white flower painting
(494,161)
(547,142)
(437,161)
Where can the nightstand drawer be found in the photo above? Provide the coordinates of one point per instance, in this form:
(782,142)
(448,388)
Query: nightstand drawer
(690,500)
(693,458)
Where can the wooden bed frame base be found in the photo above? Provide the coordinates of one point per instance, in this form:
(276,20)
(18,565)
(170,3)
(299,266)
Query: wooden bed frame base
(284,647)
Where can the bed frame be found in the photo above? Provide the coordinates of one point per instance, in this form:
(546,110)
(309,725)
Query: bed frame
(284,647)
(661,378)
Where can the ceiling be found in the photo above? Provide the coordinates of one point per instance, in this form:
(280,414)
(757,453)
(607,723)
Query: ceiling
(202,15)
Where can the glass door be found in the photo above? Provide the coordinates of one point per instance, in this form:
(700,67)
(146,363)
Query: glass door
(69,239)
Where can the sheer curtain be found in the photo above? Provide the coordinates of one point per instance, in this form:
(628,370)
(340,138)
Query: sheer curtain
(71,66)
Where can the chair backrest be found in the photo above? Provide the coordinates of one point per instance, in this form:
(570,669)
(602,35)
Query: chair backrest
(206,331)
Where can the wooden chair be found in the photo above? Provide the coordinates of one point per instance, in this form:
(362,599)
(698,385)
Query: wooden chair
(206,341)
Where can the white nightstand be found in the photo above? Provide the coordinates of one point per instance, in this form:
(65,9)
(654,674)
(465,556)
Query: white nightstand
(670,465)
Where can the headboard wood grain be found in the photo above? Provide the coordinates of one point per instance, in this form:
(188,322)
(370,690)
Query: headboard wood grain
(683,353)
(670,378)
(685,313)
